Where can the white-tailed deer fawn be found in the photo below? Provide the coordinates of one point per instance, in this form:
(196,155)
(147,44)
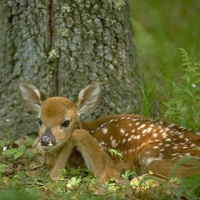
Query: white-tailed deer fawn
(146,144)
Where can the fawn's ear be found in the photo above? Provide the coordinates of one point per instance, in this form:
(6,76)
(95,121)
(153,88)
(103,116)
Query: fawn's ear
(88,98)
(31,95)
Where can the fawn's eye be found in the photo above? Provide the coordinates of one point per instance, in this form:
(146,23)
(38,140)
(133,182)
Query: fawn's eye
(40,122)
(65,124)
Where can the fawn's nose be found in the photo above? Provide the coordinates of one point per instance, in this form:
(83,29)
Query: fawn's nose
(47,139)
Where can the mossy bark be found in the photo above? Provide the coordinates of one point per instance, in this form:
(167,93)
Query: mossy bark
(61,46)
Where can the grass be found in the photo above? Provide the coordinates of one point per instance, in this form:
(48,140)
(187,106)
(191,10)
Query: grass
(161,29)
(75,185)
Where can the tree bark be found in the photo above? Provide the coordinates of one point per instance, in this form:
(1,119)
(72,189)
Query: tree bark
(62,46)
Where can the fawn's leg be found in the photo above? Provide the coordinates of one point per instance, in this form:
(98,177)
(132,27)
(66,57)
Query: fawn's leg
(62,159)
(95,158)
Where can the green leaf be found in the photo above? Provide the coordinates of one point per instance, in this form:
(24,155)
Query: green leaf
(2,167)
(9,152)
(116,153)
(18,154)
(22,148)
(183,105)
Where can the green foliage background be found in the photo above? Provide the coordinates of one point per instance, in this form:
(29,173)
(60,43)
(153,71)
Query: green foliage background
(161,28)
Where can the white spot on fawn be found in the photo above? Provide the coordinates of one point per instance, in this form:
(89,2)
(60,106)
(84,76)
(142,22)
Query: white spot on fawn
(101,144)
(105,130)
(147,152)
(164,135)
(137,123)
(183,128)
(150,160)
(125,152)
(122,131)
(181,136)
(111,120)
(149,130)
(162,149)
(178,132)
(171,125)
(187,154)
(186,139)
(130,150)
(161,131)
(155,135)
(143,125)
(167,129)
(137,137)
(175,147)
(123,141)
(129,139)
(113,143)
(144,131)
(198,133)
(160,155)
(174,154)
(111,137)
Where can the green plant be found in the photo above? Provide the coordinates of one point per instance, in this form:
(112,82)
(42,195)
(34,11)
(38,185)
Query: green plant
(74,182)
(114,152)
(183,107)
(15,152)
(2,167)
(193,186)
(127,174)
(19,148)
(14,194)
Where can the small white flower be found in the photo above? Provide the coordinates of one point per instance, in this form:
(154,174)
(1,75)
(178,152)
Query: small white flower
(194,86)
(7,120)
(4,148)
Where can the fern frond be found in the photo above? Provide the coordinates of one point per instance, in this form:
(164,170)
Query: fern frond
(183,106)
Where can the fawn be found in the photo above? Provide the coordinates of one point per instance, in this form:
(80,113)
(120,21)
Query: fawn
(146,144)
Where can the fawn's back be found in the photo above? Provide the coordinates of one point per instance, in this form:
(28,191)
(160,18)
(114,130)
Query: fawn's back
(147,144)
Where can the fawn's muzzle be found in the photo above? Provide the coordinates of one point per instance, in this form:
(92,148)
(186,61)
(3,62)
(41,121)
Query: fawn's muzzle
(47,139)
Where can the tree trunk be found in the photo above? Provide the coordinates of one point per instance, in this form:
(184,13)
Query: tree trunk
(62,46)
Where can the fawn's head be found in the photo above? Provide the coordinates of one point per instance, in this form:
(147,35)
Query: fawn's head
(58,116)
